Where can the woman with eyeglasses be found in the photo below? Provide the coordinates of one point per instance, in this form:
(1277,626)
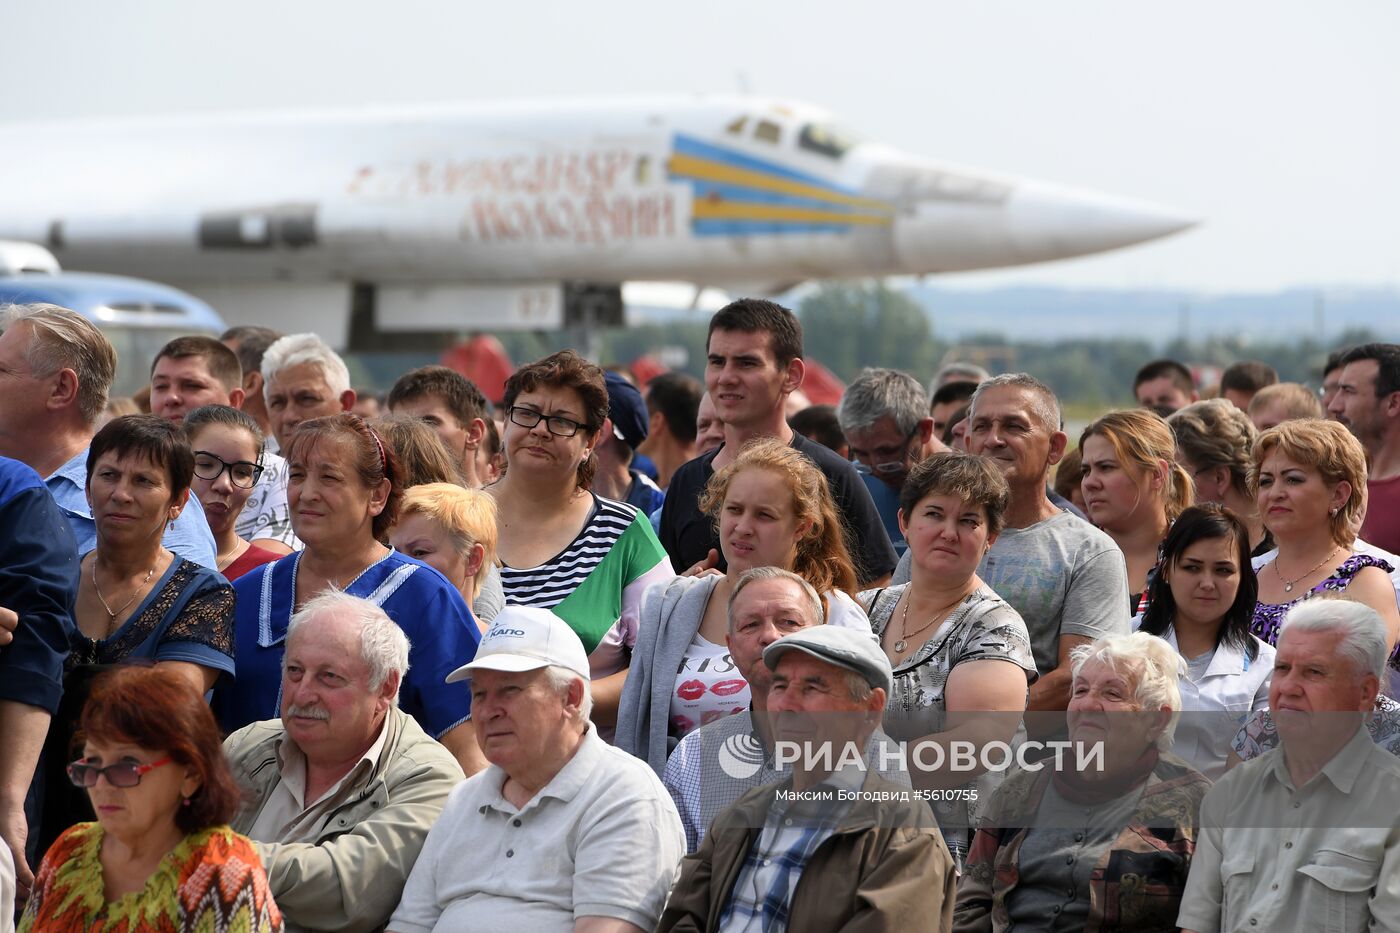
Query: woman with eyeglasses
(228,461)
(136,600)
(345,486)
(561,546)
(160,856)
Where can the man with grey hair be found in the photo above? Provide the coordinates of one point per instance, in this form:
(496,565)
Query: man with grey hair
(767,603)
(833,846)
(884,414)
(1307,835)
(1066,578)
(562,831)
(57,369)
(957,372)
(343,788)
(303,379)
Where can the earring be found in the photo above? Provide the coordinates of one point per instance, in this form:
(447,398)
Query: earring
(1332,512)
(186,803)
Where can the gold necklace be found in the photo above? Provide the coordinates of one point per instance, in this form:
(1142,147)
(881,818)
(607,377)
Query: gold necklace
(112,615)
(1288,584)
(903,642)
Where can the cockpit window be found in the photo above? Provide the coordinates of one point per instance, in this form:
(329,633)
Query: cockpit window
(825,140)
(737,126)
(768,131)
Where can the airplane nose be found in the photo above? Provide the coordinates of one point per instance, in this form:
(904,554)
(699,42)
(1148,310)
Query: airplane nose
(1053,222)
(1030,221)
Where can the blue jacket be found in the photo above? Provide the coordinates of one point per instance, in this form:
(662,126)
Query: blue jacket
(39,581)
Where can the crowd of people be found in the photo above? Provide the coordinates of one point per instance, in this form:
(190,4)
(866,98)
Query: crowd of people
(590,658)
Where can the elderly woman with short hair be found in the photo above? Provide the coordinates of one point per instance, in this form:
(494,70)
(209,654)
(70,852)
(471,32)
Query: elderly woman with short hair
(1102,849)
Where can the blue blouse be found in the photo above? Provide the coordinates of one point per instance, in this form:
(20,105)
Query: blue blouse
(442,636)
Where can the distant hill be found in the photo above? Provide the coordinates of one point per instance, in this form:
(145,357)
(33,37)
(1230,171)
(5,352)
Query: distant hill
(1049,313)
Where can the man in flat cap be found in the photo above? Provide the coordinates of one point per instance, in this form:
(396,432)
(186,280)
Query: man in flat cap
(835,845)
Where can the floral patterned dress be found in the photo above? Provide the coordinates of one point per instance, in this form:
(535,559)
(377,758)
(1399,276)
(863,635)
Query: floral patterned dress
(212,882)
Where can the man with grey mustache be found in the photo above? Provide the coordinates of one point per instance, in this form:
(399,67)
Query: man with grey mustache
(342,789)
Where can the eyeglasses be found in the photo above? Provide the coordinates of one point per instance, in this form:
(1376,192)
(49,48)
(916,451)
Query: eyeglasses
(121,774)
(241,473)
(557,425)
(889,466)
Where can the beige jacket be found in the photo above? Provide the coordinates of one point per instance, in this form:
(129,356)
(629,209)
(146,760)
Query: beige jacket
(352,877)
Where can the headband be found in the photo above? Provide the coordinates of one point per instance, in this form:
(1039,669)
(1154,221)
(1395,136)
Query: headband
(383,457)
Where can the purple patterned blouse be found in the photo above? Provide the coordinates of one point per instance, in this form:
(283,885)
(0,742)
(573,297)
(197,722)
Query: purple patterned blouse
(1268,617)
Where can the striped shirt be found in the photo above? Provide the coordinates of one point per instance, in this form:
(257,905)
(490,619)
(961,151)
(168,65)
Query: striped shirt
(596,583)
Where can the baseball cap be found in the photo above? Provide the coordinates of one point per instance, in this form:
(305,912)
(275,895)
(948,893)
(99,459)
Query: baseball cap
(627,410)
(844,647)
(524,638)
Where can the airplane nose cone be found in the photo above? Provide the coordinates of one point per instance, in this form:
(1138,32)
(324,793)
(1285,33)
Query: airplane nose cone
(1049,222)
(1028,222)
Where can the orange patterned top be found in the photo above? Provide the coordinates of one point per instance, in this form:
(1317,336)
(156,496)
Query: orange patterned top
(212,882)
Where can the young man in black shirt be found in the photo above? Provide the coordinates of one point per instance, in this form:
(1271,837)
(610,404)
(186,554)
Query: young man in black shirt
(754,362)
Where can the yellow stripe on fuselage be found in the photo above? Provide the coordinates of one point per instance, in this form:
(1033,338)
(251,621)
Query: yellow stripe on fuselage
(706,170)
(740,210)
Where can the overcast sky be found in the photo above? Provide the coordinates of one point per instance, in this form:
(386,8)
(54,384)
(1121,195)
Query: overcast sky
(1276,122)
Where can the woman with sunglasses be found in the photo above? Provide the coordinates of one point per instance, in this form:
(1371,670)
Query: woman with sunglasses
(136,600)
(160,856)
(562,547)
(228,462)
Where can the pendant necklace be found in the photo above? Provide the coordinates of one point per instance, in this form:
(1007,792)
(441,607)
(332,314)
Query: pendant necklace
(1288,584)
(111,613)
(905,635)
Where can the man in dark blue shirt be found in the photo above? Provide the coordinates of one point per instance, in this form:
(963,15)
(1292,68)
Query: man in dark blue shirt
(38,585)
(753,363)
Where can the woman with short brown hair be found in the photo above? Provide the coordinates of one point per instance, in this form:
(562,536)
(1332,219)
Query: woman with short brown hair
(563,547)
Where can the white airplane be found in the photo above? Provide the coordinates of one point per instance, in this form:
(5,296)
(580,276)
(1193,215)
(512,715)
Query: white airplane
(454,218)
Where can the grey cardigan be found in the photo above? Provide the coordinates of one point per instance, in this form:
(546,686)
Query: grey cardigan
(670,617)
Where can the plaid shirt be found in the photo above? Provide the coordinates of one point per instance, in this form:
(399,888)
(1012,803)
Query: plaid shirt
(792,832)
(702,788)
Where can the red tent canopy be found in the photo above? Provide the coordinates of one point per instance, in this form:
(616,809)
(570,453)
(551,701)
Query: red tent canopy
(483,360)
(821,385)
(646,368)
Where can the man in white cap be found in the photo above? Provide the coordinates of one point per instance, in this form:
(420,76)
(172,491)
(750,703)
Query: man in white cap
(561,831)
(835,846)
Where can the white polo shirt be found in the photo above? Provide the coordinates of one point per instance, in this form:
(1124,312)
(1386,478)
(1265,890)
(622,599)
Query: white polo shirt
(602,839)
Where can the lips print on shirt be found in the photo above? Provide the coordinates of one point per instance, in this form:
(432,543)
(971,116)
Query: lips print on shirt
(727,688)
(691,690)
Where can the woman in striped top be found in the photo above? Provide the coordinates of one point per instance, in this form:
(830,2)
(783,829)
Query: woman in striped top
(562,547)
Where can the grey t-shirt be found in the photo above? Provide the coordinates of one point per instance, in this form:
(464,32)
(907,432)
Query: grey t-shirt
(1063,575)
(491,599)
